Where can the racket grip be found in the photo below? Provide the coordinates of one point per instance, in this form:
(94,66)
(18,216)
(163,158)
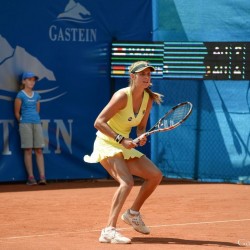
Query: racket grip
(137,140)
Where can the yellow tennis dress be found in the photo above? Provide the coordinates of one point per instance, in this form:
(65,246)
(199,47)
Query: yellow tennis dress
(122,124)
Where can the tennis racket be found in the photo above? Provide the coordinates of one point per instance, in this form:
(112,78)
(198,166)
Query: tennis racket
(171,120)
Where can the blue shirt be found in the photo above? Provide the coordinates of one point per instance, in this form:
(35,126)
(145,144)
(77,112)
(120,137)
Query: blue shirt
(29,113)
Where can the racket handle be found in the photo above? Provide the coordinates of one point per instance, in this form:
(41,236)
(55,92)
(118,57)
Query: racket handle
(137,140)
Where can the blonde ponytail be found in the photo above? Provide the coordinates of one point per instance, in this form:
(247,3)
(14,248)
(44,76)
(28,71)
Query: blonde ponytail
(155,96)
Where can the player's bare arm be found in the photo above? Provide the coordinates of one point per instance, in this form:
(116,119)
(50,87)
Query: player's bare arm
(141,128)
(117,102)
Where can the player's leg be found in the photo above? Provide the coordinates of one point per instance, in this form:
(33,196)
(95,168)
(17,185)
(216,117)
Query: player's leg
(146,169)
(152,176)
(116,167)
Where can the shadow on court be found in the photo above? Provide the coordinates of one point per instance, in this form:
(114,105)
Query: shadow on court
(175,241)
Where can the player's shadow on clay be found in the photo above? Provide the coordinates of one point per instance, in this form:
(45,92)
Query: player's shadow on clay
(176,241)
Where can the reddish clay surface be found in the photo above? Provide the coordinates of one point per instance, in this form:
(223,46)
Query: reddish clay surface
(70,215)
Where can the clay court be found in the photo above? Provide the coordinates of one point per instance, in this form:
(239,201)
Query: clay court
(70,215)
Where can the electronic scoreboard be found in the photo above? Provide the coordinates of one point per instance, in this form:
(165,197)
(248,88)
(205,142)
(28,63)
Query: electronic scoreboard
(184,60)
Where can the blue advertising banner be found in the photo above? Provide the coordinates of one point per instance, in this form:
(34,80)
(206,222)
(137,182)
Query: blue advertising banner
(214,144)
(66,43)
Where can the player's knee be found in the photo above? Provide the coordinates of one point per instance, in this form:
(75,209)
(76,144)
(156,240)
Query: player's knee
(128,184)
(160,176)
(157,176)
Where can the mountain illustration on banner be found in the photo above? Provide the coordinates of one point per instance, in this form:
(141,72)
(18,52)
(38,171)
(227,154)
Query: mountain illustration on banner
(13,62)
(75,12)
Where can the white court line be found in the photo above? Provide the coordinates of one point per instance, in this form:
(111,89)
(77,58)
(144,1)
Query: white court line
(199,223)
(122,229)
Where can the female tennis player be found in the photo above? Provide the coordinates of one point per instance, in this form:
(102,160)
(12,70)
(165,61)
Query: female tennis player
(129,107)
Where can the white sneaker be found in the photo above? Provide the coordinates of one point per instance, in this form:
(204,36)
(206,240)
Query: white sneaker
(110,235)
(136,222)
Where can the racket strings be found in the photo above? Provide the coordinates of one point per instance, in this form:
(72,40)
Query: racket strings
(176,116)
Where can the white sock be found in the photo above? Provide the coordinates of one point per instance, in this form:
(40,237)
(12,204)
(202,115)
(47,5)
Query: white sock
(133,212)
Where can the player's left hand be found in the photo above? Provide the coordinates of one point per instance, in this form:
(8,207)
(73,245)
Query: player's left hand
(143,140)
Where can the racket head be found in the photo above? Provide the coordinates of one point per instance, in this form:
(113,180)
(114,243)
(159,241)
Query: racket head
(173,118)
